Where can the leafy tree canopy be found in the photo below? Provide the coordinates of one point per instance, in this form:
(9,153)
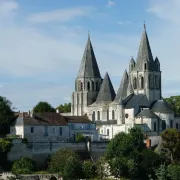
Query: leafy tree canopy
(171,143)
(174,102)
(64,108)
(89,170)
(23,165)
(43,107)
(58,160)
(6,115)
(72,168)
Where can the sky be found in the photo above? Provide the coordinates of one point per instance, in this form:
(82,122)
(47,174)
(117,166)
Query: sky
(42,44)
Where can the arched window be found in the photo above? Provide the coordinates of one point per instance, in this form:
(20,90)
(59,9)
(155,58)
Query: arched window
(98,115)
(88,86)
(171,124)
(145,66)
(107,114)
(155,126)
(107,132)
(142,83)
(80,86)
(135,83)
(113,114)
(93,116)
(92,85)
(97,86)
(177,125)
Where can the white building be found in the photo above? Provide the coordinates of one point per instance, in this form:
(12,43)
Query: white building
(138,101)
(52,127)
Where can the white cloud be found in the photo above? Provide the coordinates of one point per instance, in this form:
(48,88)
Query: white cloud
(111,3)
(33,58)
(124,22)
(61,15)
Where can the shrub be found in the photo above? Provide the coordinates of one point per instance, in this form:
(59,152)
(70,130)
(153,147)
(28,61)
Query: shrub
(25,140)
(23,165)
(89,169)
(80,138)
(5,145)
(58,160)
(72,168)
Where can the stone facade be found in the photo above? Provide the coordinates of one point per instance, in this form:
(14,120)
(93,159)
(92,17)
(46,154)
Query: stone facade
(138,100)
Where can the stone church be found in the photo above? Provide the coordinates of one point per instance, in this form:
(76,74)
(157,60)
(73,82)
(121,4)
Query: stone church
(138,101)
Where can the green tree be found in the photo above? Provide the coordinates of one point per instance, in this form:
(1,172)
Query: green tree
(72,168)
(43,107)
(6,115)
(173,171)
(64,108)
(174,102)
(171,143)
(23,165)
(161,172)
(58,160)
(89,170)
(80,138)
(102,168)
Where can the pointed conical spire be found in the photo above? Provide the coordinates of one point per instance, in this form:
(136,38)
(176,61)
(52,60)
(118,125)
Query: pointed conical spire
(144,53)
(130,88)
(122,91)
(89,67)
(106,93)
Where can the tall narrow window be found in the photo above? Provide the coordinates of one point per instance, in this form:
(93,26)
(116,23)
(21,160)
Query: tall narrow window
(92,85)
(113,114)
(150,82)
(154,126)
(135,83)
(93,116)
(145,66)
(45,130)
(177,125)
(157,85)
(107,114)
(32,129)
(107,132)
(142,83)
(88,86)
(171,124)
(60,131)
(98,115)
(80,86)
(97,86)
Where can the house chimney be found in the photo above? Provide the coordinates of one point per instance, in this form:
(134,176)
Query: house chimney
(31,114)
(57,110)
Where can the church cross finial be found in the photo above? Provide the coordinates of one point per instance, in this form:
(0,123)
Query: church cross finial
(145,25)
(88,34)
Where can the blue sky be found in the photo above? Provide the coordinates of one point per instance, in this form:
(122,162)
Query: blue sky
(42,44)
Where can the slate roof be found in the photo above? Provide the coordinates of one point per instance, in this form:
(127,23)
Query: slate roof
(78,119)
(146,112)
(144,53)
(89,67)
(106,93)
(139,99)
(162,107)
(122,91)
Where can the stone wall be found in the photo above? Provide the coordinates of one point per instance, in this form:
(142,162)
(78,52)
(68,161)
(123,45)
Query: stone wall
(39,152)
